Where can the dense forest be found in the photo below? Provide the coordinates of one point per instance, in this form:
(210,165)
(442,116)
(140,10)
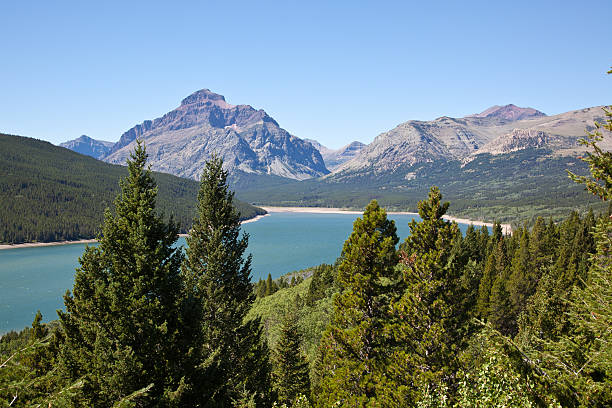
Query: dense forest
(49,193)
(438,319)
(512,188)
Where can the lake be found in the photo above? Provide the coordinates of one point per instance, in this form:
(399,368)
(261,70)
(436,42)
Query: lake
(37,278)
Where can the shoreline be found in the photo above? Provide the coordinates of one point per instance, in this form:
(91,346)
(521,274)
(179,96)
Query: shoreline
(506,228)
(90,241)
(42,244)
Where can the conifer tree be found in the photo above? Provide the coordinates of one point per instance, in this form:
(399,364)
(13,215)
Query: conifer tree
(522,281)
(121,325)
(229,354)
(427,329)
(291,370)
(584,357)
(353,350)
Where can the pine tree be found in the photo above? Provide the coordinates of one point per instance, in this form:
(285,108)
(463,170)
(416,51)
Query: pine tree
(523,281)
(121,325)
(291,370)
(429,319)
(353,356)
(230,355)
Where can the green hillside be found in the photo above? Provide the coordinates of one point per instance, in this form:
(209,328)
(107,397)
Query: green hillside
(49,193)
(512,187)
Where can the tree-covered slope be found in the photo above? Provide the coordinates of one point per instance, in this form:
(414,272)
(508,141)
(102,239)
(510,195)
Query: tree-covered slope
(49,193)
(512,187)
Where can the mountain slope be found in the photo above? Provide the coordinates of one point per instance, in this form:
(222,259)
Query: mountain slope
(489,168)
(335,158)
(448,139)
(49,193)
(89,147)
(248,140)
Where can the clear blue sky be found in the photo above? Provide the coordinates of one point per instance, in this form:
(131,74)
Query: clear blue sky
(331,71)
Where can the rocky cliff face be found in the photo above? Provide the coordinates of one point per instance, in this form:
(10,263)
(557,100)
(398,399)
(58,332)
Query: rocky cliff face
(497,130)
(247,139)
(88,146)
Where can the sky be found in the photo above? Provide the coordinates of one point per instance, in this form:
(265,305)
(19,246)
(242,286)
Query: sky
(334,71)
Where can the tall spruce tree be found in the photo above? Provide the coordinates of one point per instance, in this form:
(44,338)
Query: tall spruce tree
(229,354)
(427,325)
(291,370)
(121,325)
(354,349)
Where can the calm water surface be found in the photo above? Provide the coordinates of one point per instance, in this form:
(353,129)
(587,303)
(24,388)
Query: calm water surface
(36,278)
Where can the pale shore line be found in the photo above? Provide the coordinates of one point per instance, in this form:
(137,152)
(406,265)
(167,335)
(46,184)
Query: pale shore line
(256,218)
(506,228)
(88,241)
(42,244)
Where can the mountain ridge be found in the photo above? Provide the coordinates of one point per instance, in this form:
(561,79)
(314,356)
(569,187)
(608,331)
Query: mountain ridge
(248,140)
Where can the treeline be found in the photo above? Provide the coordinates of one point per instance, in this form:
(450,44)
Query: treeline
(488,188)
(48,193)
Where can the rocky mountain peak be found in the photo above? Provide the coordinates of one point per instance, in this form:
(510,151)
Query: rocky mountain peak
(509,112)
(206,96)
(249,140)
(88,146)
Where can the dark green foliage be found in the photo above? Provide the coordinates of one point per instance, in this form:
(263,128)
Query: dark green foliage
(291,370)
(353,356)
(48,193)
(322,281)
(488,188)
(27,361)
(122,322)
(427,318)
(227,355)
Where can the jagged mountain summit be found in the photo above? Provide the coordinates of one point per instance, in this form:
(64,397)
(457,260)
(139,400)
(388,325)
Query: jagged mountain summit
(335,158)
(248,140)
(90,147)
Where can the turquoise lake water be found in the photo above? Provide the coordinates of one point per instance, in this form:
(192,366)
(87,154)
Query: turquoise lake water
(37,278)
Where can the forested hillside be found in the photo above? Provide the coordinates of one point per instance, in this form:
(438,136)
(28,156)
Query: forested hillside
(514,188)
(49,193)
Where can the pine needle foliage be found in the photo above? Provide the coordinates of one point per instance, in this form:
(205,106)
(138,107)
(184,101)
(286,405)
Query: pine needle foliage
(354,348)
(122,322)
(228,354)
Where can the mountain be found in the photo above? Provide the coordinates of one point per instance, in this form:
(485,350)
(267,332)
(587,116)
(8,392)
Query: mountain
(89,147)
(334,158)
(49,193)
(248,140)
(494,131)
(509,112)
(489,168)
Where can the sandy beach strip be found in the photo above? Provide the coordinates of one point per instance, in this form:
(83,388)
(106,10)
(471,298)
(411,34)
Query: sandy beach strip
(42,244)
(506,228)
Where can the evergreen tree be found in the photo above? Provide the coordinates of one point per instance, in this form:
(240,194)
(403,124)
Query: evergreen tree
(291,370)
(121,325)
(429,321)
(229,354)
(354,346)
(522,281)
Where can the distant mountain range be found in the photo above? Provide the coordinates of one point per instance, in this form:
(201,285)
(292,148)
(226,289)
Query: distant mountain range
(98,149)
(335,158)
(497,130)
(508,147)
